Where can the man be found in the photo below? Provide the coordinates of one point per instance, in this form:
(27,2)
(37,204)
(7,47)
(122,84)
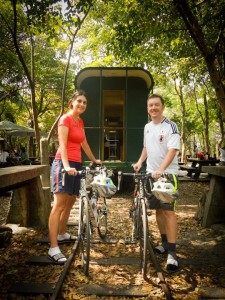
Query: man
(161,145)
(4,155)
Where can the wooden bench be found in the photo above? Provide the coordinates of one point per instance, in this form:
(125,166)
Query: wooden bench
(214,206)
(190,170)
(33,199)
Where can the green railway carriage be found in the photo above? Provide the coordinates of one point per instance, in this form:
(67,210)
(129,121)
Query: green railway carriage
(116,111)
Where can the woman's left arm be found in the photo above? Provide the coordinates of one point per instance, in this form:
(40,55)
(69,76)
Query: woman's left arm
(85,146)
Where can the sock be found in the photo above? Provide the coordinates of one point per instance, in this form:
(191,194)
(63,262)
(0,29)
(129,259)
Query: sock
(53,251)
(172,250)
(172,255)
(164,241)
(64,236)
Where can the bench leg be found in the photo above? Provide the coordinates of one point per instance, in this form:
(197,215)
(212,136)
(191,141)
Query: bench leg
(40,204)
(189,173)
(196,175)
(214,210)
(34,204)
(19,203)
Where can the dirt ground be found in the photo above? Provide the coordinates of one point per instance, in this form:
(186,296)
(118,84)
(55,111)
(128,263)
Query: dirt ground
(200,251)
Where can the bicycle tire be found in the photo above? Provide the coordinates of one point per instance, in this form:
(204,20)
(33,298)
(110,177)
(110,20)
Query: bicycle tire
(102,218)
(143,238)
(84,232)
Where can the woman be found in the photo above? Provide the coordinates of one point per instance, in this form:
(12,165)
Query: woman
(71,137)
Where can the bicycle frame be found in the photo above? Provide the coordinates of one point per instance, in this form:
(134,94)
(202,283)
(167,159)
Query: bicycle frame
(138,213)
(87,214)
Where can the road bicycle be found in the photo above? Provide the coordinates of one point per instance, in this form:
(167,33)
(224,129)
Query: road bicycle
(138,213)
(96,186)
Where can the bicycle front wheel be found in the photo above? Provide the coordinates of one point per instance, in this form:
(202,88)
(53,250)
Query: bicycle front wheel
(84,232)
(136,213)
(143,238)
(102,217)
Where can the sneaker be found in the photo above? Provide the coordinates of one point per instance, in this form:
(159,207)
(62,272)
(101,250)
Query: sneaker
(66,238)
(160,249)
(172,265)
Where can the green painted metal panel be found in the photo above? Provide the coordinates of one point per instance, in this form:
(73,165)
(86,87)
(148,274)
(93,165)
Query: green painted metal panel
(136,117)
(92,115)
(134,144)
(93,139)
(135,111)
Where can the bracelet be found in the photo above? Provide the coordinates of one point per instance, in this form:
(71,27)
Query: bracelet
(67,169)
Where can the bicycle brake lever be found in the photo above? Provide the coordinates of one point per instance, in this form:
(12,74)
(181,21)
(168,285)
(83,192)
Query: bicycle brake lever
(119,180)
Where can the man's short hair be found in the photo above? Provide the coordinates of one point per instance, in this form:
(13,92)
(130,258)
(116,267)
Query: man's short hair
(157,96)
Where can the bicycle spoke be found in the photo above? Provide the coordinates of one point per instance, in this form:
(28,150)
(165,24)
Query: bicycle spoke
(102,218)
(143,238)
(84,231)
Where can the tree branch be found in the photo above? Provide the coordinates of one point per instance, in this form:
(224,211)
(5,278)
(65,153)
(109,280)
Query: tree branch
(192,26)
(66,71)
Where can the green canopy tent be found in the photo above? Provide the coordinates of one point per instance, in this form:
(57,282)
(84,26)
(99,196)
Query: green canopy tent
(11,128)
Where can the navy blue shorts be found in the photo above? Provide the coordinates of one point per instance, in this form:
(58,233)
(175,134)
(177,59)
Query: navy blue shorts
(154,203)
(71,183)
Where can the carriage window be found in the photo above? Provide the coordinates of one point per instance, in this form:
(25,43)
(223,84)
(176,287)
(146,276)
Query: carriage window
(113,124)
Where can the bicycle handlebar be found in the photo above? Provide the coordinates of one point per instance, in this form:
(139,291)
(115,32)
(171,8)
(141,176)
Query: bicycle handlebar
(94,170)
(133,174)
(142,174)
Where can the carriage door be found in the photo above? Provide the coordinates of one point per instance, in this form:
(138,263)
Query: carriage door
(113,125)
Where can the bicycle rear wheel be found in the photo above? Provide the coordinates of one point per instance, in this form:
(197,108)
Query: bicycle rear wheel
(143,232)
(102,217)
(84,232)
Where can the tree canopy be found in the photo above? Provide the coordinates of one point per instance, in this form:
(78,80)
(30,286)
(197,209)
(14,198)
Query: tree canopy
(181,42)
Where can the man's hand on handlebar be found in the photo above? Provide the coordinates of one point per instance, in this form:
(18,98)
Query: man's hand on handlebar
(137,166)
(157,174)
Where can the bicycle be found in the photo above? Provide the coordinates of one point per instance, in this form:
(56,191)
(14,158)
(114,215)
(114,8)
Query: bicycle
(138,214)
(93,209)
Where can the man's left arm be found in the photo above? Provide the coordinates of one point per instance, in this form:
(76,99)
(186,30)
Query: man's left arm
(166,162)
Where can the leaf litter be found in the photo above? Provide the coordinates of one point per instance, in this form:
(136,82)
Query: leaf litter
(200,251)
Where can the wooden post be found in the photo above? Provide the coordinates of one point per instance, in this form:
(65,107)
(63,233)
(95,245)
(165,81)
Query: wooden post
(45,178)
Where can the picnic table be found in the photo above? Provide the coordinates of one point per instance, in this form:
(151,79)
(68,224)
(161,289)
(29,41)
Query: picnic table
(214,207)
(35,160)
(34,199)
(196,166)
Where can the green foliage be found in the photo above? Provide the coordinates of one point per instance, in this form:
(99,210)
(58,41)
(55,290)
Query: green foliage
(47,29)
(140,33)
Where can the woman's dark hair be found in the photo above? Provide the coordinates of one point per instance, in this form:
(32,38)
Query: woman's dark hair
(157,96)
(74,97)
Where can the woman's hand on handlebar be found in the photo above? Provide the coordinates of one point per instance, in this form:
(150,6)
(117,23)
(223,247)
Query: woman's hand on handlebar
(98,162)
(71,171)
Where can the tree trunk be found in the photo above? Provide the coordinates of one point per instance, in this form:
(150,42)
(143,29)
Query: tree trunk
(179,91)
(209,55)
